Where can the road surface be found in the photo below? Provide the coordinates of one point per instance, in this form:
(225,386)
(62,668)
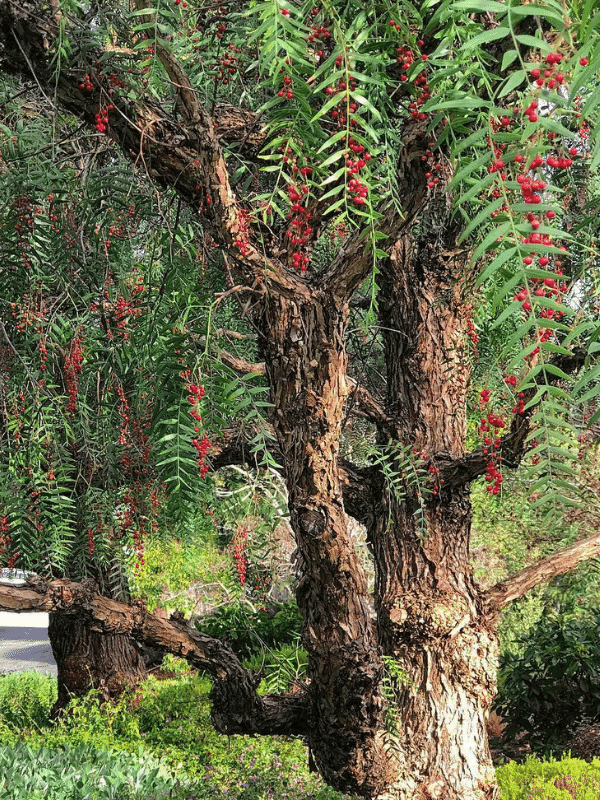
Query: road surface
(24,643)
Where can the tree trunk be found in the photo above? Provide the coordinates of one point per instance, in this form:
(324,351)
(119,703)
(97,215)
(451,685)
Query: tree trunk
(432,624)
(88,660)
(306,363)
(431,617)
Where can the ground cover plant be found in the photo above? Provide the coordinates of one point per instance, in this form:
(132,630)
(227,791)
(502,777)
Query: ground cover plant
(158,740)
(161,744)
(415,197)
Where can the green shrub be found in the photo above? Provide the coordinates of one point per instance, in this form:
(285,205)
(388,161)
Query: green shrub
(550,780)
(169,722)
(173,567)
(25,700)
(248,631)
(555,682)
(280,669)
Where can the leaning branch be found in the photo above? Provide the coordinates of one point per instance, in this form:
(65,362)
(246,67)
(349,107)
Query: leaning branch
(181,154)
(513,445)
(564,560)
(237,708)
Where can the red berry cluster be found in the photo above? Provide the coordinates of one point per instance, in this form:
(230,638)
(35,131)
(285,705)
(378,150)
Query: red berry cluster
(346,104)
(549,78)
(243,241)
(300,231)
(86,84)
(196,393)
(355,186)
(91,541)
(287,91)
(240,546)
(202,446)
(220,21)
(228,65)
(5,539)
(125,414)
(102,118)
(489,428)
(319,33)
(546,77)
(73,365)
(421,82)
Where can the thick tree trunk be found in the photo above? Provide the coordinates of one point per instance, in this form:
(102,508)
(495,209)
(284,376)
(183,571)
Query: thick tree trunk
(431,615)
(306,364)
(87,659)
(432,623)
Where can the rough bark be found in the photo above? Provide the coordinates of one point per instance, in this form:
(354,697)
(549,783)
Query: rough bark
(558,563)
(428,741)
(306,365)
(88,660)
(430,615)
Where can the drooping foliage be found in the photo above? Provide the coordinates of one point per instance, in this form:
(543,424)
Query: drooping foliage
(105,327)
(417,191)
(503,100)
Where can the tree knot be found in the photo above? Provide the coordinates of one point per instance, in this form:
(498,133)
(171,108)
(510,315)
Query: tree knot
(311,522)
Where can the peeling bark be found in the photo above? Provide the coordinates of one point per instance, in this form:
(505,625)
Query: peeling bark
(428,740)
(544,570)
(90,660)
(306,365)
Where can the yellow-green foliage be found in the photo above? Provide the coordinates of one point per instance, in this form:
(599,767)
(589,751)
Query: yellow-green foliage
(550,780)
(179,572)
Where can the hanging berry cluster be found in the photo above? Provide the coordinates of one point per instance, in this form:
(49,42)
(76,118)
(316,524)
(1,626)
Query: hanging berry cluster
(102,118)
(5,541)
(240,546)
(406,57)
(489,429)
(242,243)
(299,231)
(542,157)
(73,365)
(201,445)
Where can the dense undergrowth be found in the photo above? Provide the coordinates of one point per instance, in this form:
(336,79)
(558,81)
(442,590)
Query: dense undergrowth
(158,743)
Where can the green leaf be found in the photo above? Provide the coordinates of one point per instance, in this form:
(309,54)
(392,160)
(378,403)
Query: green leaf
(481,6)
(532,41)
(515,79)
(485,37)
(508,58)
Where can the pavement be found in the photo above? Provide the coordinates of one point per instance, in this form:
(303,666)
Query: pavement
(24,643)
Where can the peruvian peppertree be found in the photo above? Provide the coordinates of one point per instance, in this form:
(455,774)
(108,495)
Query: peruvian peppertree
(432,166)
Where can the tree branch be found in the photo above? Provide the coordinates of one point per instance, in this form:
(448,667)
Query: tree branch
(357,482)
(513,445)
(183,155)
(237,708)
(564,560)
